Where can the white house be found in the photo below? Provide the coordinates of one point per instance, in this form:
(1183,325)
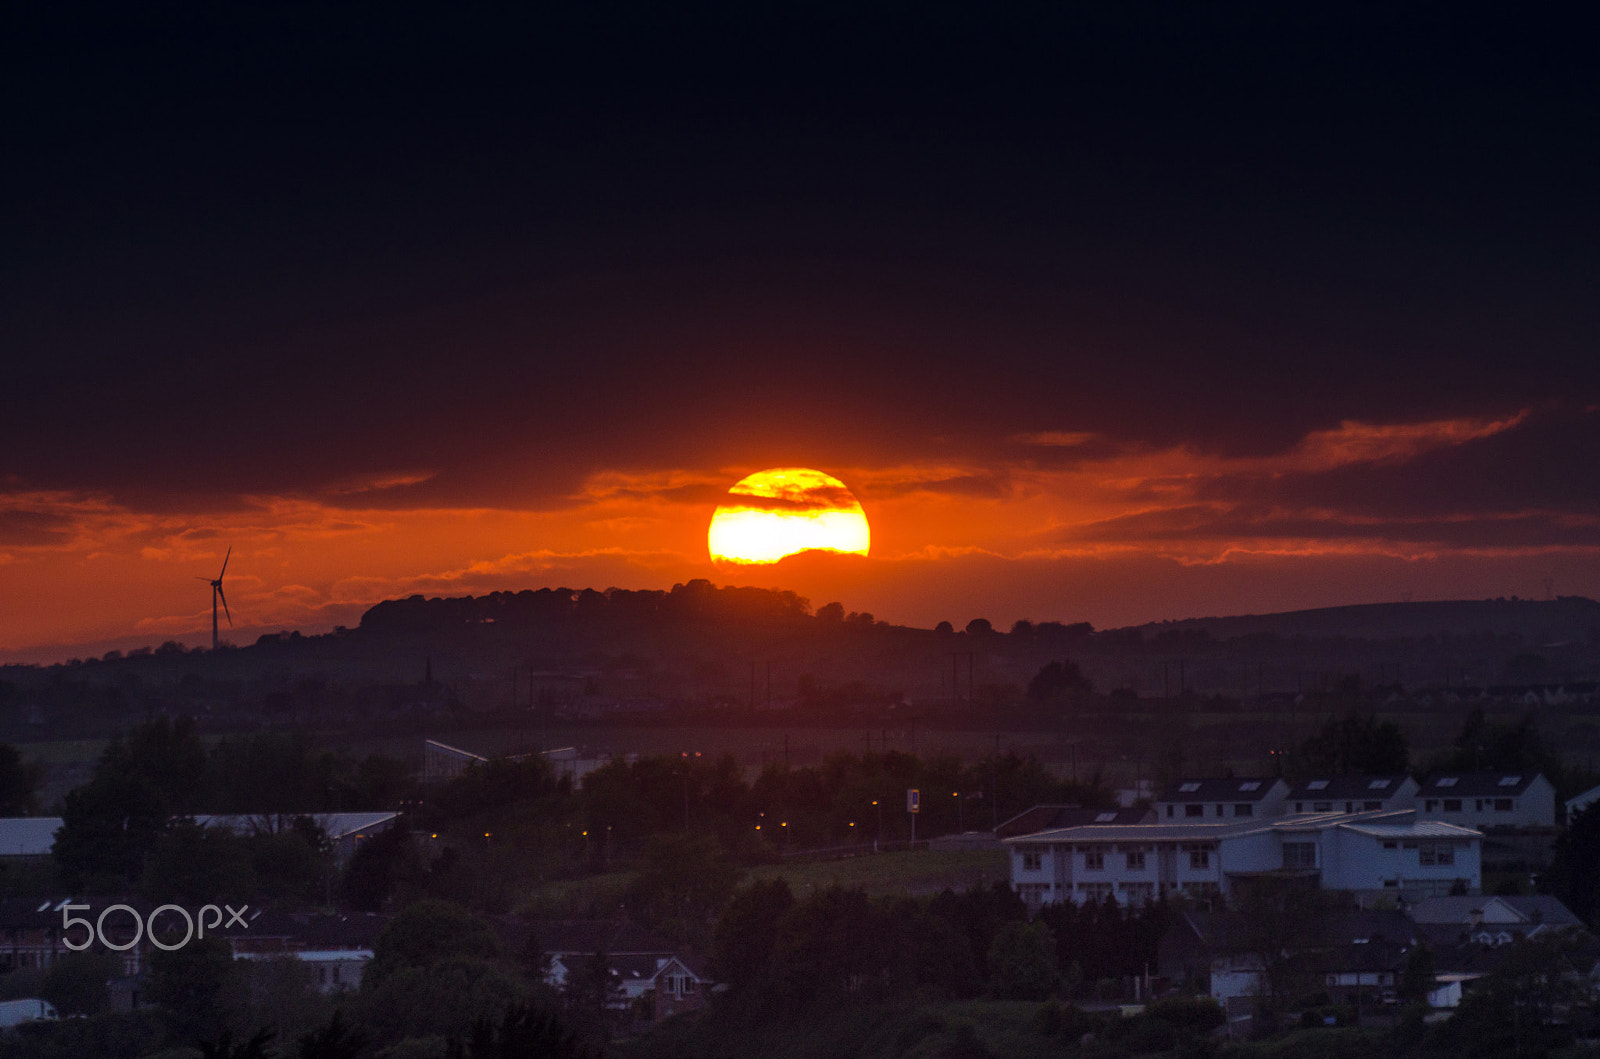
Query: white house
(1370,854)
(1221,799)
(1353,794)
(1488,799)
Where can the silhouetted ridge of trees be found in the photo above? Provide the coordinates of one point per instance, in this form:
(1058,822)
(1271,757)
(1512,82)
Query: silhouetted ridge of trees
(697,602)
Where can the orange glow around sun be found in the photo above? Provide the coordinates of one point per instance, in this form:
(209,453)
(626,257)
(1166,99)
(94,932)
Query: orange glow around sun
(786,510)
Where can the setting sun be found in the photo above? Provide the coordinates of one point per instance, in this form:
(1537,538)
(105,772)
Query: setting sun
(786,510)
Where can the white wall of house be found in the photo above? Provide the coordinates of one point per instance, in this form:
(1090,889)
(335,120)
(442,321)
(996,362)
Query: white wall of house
(1534,807)
(1416,859)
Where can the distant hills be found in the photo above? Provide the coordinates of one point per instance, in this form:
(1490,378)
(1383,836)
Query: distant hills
(1564,620)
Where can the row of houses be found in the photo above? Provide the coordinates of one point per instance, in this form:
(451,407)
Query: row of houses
(1353,955)
(1470,799)
(1370,854)
(647,975)
(1375,837)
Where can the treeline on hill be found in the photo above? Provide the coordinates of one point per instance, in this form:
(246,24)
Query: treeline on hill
(696,602)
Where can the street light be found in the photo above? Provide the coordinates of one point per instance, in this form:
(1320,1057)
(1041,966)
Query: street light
(877,845)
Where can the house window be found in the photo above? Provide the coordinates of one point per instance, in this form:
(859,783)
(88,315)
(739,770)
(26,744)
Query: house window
(1095,891)
(1199,858)
(1391,845)
(1136,861)
(1194,810)
(1349,807)
(1371,805)
(1170,810)
(1250,785)
(1030,860)
(1430,855)
(1452,805)
(1299,807)
(1377,785)
(1188,788)
(1322,807)
(1429,805)
(1502,805)
(1299,854)
(1245,809)
(1446,781)
(1094,860)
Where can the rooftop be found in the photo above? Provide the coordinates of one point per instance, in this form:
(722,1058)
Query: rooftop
(1231,789)
(1477,784)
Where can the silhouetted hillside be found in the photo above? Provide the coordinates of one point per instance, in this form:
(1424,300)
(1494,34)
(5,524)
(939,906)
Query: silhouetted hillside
(1538,622)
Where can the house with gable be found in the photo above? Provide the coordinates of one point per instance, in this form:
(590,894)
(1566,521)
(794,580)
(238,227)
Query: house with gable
(1491,921)
(1193,800)
(1352,794)
(1481,800)
(642,966)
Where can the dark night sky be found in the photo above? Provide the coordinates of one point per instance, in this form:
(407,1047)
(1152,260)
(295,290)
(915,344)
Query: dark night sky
(280,259)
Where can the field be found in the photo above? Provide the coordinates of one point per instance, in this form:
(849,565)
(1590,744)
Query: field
(916,872)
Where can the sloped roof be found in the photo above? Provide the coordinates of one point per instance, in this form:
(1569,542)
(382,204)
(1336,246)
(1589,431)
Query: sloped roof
(1347,788)
(1387,823)
(1414,829)
(337,825)
(1048,817)
(1233,789)
(1534,909)
(1477,784)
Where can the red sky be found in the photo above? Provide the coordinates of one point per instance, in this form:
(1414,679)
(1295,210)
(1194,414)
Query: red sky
(1101,319)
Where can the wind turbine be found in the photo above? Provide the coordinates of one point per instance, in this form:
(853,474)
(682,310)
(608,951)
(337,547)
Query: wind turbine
(216,594)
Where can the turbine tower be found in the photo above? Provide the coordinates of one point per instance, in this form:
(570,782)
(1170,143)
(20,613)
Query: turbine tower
(216,594)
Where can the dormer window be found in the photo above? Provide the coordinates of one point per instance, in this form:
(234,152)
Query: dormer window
(1446,781)
(1317,785)
(1105,818)
(1188,788)
(1510,781)
(1377,785)
(1250,785)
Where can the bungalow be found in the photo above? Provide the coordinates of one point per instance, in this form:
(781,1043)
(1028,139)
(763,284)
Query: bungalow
(1353,794)
(1227,954)
(1488,799)
(1491,921)
(1194,800)
(642,966)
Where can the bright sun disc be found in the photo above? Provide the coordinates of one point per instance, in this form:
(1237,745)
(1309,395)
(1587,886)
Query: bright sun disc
(786,510)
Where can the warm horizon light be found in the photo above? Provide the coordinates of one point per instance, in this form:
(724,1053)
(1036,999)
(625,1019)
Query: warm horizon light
(784,511)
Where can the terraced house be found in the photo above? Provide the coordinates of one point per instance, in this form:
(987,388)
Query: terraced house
(1370,854)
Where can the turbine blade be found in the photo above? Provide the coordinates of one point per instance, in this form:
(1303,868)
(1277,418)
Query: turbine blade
(224,598)
(207,580)
(225,559)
